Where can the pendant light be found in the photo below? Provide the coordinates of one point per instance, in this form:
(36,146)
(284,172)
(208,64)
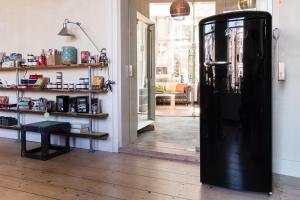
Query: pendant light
(179,9)
(246,4)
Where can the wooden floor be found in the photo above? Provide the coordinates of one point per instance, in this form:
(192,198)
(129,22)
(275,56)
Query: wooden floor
(109,176)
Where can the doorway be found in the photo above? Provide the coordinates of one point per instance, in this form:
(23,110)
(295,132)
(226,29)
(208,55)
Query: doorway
(165,79)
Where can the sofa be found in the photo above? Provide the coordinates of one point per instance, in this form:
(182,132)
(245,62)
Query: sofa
(182,92)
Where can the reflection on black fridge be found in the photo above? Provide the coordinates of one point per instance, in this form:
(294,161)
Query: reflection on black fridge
(236,101)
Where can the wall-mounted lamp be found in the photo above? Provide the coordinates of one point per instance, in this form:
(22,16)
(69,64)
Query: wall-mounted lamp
(66,32)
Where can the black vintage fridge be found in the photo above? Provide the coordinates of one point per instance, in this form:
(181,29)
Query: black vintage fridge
(236,101)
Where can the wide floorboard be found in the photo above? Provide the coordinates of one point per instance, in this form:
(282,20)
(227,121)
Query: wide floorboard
(82,176)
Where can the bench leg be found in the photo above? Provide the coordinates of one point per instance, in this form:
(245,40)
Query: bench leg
(45,146)
(67,142)
(23,143)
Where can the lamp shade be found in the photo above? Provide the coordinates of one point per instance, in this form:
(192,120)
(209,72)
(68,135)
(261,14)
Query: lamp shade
(246,4)
(180,9)
(65,31)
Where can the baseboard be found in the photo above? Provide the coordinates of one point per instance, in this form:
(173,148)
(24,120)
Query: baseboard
(286,167)
(161,155)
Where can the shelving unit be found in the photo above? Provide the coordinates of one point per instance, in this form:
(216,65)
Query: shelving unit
(10,127)
(90,67)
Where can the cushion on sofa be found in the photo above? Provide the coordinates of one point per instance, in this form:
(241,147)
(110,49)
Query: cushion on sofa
(171,87)
(180,87)
(159,87)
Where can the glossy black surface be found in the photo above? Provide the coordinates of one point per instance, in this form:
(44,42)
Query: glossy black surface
(235,101)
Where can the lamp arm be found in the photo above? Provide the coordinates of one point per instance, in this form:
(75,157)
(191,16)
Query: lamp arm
(90,39)
(85,33)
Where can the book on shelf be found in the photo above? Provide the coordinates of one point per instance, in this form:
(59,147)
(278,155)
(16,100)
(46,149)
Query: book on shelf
(79,125)
(82,130)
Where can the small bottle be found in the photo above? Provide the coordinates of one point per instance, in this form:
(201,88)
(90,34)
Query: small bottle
(42,61)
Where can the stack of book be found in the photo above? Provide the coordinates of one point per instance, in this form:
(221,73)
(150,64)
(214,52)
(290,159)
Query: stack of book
(24,103)
(79,128)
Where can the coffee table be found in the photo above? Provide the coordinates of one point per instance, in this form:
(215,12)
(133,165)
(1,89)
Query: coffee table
(172,98)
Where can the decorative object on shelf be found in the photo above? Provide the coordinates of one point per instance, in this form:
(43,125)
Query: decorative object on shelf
(8,121)
(84,81)
(41,82)
(24,103)
(4,100)
(8,106)
(108,85)
(83,104)
(59,80)
(247,4)
(73,105)
(69,55)
(40,104)
(31,60)
(96,106)
(179,9)
(98,82)
(77,127)
(42,59)
(12,60)
(31,83)
(2,55)
(35,76)
(65,86)
(72,86)
(62,103)
(85,57)
(3,84)
(103,60)
(92,60)
(82,86)
(53,57)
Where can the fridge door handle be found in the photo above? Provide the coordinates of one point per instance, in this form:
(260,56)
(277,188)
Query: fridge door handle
(216,63)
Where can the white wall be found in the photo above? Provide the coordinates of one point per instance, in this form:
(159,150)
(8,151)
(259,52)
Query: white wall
(286,126)
(286,94)
(28,26)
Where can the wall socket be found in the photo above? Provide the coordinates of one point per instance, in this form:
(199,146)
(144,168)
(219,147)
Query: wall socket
(281,71)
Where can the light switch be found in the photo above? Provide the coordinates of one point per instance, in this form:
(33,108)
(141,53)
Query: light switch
(281,71)
(130,71)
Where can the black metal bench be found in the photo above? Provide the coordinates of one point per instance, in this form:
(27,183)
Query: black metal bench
(46,128)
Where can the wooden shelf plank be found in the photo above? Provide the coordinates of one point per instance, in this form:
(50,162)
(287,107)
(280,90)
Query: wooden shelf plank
(82,115)
(8,89)
(8,69)
(55,90)
(94,135)
(79,115)
(9,127)
(72,66)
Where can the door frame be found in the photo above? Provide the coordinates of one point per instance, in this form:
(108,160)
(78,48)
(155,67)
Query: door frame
(150,63)
(128,62)
(133,16)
